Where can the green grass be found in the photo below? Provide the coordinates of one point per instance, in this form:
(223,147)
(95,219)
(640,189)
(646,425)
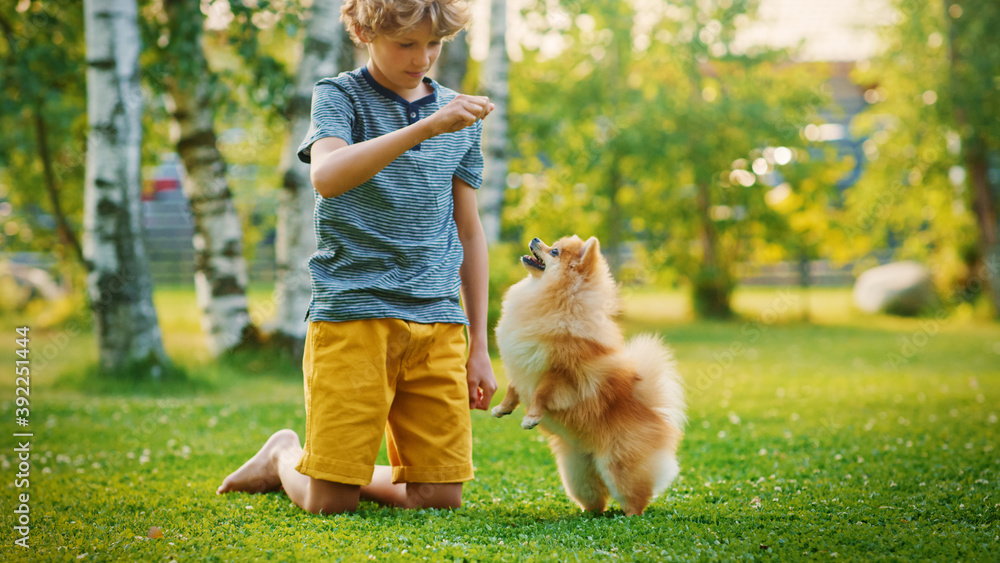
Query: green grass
(855,437)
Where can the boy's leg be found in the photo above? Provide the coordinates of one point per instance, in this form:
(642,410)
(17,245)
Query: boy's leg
(273,468)
(429,434)
(275,465)
(410,495)
(347,398)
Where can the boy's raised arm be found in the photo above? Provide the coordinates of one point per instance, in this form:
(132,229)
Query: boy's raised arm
(338,167)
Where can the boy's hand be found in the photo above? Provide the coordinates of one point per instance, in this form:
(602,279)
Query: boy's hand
(482,382)
(459,113)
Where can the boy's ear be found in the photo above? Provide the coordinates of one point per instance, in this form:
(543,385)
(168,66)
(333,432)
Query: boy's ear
(362,34)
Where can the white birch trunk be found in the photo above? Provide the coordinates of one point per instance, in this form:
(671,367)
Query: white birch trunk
(495,127)
(453,62)
(220,268)
(118,280)
(327,49)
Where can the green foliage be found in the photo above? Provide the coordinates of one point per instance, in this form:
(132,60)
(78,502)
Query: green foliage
(866,439)
(250,58)
(635,133)
(41,80)
(42,112)
(935,99)
(250,49)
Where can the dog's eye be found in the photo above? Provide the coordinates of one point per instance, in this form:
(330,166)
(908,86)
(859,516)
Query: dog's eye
(554,252)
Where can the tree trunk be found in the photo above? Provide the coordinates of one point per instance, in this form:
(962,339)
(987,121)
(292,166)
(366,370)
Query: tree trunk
(614,220)
(986,270)
(987,267)
(495,127)
(706,230)
(453,62)
(712,287)
(220,269)
(805,281)
(63,228)
(712,284)
(118,281)
(327,50)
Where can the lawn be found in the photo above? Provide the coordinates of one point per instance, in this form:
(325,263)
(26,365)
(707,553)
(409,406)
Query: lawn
(851,437)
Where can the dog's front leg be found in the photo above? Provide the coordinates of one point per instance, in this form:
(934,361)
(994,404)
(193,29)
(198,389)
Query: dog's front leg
(509,403)
(536,407)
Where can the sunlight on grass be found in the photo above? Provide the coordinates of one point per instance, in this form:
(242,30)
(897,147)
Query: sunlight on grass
(180,320)
(828,305)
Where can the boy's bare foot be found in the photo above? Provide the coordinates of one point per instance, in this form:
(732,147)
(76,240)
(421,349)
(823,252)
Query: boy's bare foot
(260,474)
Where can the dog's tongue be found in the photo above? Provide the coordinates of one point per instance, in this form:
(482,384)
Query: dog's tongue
(528,258)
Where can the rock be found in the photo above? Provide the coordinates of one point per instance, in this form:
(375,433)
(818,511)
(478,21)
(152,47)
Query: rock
(900,288)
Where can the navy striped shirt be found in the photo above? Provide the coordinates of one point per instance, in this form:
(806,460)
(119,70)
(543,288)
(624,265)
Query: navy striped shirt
(389,248)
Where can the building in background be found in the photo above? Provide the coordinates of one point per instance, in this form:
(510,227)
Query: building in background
(169,230)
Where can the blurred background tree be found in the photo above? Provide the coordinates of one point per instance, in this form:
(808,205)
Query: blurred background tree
(495,84)
(43,117)
(639,126)
(119,285)
(934,139)
(327,50)
(189,87)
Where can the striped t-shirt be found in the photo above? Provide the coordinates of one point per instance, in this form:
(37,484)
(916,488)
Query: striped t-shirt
(389,248)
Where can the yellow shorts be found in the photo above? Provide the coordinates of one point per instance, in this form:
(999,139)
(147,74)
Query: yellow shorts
(406,379)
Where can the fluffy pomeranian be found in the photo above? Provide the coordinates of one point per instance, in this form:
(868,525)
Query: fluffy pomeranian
(613,412)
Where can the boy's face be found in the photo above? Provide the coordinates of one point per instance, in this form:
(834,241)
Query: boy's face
(400,63)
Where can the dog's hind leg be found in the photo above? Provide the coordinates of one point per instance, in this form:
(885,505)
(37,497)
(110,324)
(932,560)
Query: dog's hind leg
(509,403)
(631,486)
(579,475)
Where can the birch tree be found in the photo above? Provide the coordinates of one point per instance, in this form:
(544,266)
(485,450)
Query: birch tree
(495,128)
(118,281)
(220,268)
(327,49)
(453,62)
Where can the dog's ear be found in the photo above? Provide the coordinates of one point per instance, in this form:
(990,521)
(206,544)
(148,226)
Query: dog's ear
(589,252)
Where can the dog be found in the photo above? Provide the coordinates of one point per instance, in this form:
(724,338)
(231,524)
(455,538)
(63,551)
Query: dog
(614,413)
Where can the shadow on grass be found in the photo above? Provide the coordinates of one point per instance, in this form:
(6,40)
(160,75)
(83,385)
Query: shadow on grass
(754,329)
(226,372)
(175,380)
(513,515)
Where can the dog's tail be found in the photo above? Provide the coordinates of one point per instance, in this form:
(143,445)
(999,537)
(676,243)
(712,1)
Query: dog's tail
(660,385)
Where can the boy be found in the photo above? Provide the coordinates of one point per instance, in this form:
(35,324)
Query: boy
(394,158)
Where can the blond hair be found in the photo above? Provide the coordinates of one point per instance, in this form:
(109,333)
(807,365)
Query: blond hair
(394,18)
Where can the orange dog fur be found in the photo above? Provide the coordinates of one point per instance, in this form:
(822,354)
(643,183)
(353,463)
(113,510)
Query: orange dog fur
(613,412)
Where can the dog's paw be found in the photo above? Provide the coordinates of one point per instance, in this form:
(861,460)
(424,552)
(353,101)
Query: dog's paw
(498,411)
(530,422)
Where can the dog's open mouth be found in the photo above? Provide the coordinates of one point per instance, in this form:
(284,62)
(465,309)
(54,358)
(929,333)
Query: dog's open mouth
(533,260)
